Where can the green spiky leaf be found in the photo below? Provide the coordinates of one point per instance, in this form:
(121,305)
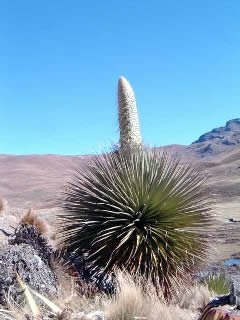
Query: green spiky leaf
(32,303)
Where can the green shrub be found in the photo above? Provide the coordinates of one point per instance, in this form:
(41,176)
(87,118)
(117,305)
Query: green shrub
(144,212)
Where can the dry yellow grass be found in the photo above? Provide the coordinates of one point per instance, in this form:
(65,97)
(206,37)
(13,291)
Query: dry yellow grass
(134,300)
(139,300)
(30,218)
(75,295)
(3,205)
(194,298)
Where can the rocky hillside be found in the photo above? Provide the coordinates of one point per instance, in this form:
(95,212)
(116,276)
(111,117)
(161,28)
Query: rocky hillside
(219,140)
(211,145)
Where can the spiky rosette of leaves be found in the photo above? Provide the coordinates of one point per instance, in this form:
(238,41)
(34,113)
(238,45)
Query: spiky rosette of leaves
(143,211)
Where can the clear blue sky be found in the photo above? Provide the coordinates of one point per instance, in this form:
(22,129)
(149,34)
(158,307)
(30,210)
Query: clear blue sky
(60,61)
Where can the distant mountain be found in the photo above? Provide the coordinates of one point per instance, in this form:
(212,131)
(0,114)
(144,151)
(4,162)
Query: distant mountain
(228,135)
(218,140)
(211,144)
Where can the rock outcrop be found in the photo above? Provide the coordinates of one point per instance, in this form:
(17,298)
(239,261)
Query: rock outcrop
(28,254)
(32,269)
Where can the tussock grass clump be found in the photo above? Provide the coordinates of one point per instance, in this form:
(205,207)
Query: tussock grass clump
(129,300)
(30,218)
(137,298)
(193,298)
(219,283)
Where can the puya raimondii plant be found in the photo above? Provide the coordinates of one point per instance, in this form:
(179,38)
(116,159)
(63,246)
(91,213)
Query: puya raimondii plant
(130,136)
(142,211)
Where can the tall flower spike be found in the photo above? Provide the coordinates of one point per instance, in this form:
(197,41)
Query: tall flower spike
(130,136)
